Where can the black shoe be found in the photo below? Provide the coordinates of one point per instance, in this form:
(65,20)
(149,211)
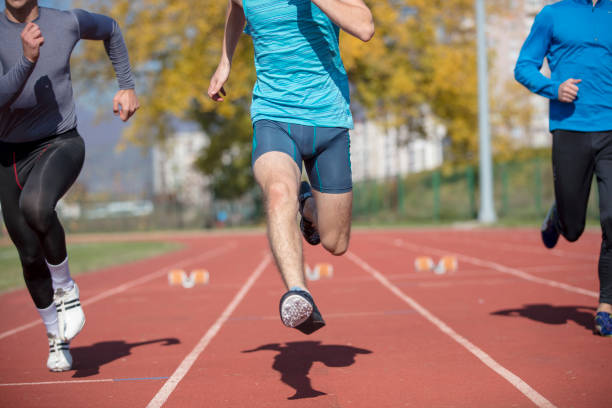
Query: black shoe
(309,231)
(550,232)
(298,310)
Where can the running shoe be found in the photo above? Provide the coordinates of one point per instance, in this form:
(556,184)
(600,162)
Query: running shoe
(309,231)
(603,324)
(550,232)
(59,354)
(298,310)
(70,316)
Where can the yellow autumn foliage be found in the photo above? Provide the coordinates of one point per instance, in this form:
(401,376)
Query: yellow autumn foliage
(423,54)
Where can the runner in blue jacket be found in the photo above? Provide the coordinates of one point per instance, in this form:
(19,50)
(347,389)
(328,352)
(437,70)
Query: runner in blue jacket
(575,36)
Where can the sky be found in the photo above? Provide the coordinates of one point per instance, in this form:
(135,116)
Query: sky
(60,4)
(102,162)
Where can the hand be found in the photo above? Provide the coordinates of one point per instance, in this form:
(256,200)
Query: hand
(125,103)
(32,40)
(215,90)
(568,91)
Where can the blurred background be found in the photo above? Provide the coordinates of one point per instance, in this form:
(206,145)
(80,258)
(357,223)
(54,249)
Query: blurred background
(184,162)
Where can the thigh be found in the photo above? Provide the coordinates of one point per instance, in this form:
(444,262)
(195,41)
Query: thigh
(54,171)
(274,168)
(603,171)
(329,169)
(334,213)
(24,238)
(573,167)
(271,136)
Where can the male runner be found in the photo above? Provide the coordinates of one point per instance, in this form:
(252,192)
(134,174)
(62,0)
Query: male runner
(41,153)
(300,111)
(576,38)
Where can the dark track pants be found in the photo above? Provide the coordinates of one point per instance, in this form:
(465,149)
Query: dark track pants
(33,177)
(576,156)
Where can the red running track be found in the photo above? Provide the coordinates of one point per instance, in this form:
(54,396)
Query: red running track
(511,328)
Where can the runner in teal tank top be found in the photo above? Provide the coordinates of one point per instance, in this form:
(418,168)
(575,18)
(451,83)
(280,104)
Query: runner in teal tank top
(300,75)
(301,116)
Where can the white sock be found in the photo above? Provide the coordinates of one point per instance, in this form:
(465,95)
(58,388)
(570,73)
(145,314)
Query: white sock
(49,318)
(60,275)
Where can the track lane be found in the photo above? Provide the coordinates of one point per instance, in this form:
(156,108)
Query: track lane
(386,354)
(142,333)
(540,333)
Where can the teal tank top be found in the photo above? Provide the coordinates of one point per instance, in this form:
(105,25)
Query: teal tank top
(300,75)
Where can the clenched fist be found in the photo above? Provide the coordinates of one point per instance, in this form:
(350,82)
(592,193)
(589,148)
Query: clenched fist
(32,40)
(125,103)
(568,90)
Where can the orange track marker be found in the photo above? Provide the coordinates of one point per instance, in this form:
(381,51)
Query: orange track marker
(423,264)
(326,270)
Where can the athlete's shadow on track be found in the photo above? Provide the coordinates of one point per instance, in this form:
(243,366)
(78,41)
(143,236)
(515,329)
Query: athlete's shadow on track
(294,361)
(549,314)
(88,359)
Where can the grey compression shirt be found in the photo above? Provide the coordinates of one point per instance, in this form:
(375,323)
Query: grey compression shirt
(36,99)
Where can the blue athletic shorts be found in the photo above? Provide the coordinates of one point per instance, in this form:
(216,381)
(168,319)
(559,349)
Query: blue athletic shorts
(324,150)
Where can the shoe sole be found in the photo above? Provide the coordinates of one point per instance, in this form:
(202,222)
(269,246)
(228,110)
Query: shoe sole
(59,370)
(295,310)
(598,332)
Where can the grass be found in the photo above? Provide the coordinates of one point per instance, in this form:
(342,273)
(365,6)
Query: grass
(84,257)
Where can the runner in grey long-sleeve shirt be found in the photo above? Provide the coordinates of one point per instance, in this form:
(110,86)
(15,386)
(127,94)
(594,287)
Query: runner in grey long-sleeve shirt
(41,153)
(28,113)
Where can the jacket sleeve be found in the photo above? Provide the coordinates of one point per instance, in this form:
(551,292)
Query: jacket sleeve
(102,28)
(13,81)
(531,58)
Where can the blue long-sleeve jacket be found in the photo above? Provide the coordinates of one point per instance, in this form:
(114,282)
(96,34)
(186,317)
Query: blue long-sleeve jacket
(576,38)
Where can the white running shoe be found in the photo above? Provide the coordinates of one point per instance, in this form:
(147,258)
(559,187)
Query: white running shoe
(59,354)
(70,316)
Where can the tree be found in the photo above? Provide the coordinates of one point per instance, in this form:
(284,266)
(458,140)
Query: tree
(423,54)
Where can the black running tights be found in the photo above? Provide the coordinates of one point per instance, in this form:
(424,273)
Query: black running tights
(576,157)
(33,177)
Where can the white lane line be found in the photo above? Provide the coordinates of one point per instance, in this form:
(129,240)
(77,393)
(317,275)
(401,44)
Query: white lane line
(164,393)
(104,380)
(390,313)
(128,285)
(530,249)
(56,382)
(498,267)
(506,374)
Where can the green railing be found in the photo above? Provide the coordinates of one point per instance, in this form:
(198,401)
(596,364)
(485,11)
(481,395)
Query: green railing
(523,192)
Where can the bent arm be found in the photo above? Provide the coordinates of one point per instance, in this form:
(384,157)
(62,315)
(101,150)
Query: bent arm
(531,58)
(353,16)
(98,27)
(234,24)
(13,81)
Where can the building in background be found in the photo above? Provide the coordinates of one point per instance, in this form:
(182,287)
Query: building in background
(506,32)
(379,153)
(174,174)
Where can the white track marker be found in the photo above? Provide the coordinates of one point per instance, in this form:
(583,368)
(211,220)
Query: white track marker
(128,285)
(164,393)
(506,374)
(499,268)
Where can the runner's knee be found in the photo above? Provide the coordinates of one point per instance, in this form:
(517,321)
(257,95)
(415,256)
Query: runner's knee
(606,227)
(31,261)
(573,233)
(335,243)
(39,217)
(280,195)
